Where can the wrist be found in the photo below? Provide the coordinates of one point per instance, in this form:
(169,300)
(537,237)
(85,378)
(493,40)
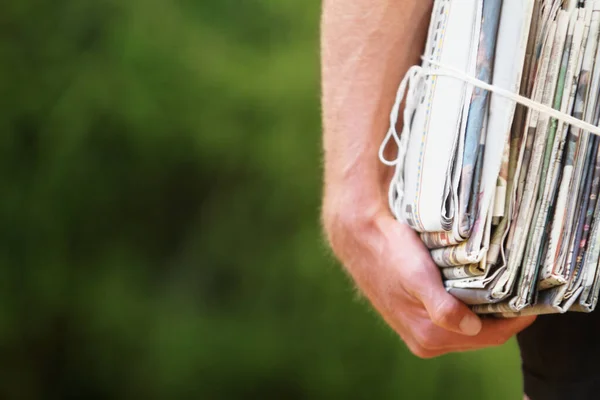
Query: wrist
(351,214)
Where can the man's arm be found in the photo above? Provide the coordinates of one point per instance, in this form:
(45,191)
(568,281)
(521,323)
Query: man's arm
(367,46)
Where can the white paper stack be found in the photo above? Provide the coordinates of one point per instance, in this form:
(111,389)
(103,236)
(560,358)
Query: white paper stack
(503,195)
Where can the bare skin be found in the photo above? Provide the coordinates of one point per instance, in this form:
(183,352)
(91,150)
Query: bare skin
(367,46)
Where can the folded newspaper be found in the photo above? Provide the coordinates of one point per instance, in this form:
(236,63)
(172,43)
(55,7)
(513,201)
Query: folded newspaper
(498,164)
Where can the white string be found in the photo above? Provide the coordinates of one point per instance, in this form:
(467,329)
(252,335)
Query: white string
(415,73)
(410,89)
(413,77)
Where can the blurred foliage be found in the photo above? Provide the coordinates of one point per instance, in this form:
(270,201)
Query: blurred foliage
(160,175)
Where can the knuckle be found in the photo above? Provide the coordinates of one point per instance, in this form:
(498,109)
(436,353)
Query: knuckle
(421,352)
(445,313)
(426,338)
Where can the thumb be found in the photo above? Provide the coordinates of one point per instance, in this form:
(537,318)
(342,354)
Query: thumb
(447,312)
(422,279)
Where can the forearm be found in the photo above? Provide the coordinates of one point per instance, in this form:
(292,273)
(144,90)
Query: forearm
(367,46)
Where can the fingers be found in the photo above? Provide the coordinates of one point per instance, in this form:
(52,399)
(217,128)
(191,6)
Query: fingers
(429,340)
(444,310)
(450,313)
(421,278)
(494,328)
(494,332)
(429,319)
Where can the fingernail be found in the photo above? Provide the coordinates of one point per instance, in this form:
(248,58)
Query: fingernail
(470,325)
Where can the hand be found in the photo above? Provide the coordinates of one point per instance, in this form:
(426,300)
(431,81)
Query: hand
(392,267)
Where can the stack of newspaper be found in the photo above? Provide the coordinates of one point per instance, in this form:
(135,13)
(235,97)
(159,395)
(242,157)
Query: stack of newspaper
(502,191)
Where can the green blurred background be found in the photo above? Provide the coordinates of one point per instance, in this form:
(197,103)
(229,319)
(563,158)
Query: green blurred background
(159,235)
